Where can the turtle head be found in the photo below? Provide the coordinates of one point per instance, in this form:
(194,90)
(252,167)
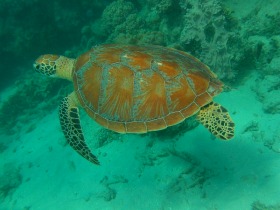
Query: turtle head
(54,66)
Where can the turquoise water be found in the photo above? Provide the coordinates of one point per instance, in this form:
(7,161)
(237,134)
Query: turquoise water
(183,167)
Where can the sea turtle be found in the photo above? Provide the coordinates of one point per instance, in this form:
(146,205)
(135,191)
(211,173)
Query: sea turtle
(136,89)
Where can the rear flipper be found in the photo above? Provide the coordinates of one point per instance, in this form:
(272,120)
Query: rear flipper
(217,120)
(71,127)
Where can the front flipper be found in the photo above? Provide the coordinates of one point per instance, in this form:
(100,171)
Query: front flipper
(71,127)
(217,120)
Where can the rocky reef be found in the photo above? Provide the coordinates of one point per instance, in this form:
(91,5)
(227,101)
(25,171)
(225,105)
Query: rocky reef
(262,33)
(206,29)
(209,30)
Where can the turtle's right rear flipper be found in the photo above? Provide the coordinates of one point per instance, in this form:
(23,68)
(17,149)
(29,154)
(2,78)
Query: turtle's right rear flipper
(71,127)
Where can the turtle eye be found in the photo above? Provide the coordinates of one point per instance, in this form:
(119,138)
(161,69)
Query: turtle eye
(37,67)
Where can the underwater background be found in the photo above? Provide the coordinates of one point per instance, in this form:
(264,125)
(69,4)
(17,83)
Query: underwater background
(183,167)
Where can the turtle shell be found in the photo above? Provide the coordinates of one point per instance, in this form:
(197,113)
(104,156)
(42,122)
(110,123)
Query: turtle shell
(133,89)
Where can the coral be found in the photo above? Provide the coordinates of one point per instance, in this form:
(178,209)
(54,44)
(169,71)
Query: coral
(206,29)
(261,28)
(263,25)
(273,67)
(121,22)
(10,179)
(160,7)
(212,34)
(115,14)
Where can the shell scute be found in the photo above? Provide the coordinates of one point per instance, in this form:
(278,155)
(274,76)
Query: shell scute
(138,89)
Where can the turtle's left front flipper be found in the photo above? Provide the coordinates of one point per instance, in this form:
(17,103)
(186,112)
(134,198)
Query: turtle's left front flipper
(217,120)
(71,127)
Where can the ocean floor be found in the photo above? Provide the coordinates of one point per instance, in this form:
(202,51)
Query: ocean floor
(190,171)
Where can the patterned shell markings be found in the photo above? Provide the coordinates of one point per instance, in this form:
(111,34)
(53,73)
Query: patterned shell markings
(132,89)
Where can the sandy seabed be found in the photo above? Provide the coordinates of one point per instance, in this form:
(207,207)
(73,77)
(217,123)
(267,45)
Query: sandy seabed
(191,171)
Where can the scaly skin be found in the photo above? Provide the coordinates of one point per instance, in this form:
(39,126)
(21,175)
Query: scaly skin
(71,127)
(217,120)
(54,65)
